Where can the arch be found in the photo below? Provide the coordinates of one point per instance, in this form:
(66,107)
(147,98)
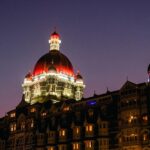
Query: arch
(21,117)
(145,134)
(21,122)
(145,130)
(146,148)
(30,123)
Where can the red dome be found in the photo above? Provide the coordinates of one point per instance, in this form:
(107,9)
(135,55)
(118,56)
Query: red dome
(55,58)
(55,35)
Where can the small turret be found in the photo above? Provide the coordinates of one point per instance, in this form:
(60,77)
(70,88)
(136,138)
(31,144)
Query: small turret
(28,77)
(54,41)
(79,78)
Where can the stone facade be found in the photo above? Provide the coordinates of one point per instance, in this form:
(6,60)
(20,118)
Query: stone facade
(117,120)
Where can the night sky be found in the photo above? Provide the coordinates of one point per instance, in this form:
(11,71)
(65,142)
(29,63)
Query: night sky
(107,40)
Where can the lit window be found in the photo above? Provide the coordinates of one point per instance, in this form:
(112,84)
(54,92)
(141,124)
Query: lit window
(120,139)
(12,115)
(77,130)
(62,132)
(66,108)
(51,134)
(62,147)
(37,89)
(89,128)
(43,114)
(13,127)
(22,125)
(91,113)
(145,119)
(51,148)
(32,110)
(32,123)
(76,146)
(145,136)
(88,144)
(132,119)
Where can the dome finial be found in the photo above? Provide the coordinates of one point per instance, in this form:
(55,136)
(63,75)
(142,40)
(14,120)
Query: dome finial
(54,41)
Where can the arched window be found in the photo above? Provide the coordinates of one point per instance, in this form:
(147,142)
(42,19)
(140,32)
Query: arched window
(21,123)
(145,136)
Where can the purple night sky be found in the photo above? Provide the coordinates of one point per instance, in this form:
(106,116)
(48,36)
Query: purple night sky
(107,40)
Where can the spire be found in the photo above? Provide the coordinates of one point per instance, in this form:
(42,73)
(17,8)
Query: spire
(54,41)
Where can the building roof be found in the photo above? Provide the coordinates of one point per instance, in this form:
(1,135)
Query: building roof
(60,62)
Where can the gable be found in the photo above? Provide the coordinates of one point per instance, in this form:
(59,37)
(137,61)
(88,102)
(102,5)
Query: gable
(128,86)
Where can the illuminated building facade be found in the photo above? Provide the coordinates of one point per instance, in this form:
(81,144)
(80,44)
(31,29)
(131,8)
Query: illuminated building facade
(52,116)
(53,77)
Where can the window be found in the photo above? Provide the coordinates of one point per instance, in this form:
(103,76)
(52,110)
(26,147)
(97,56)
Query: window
(37,90)
(32,123)
(33,110)
(51,148)
(77,130)
(91,113)
(88,144)
(43,114)
(22,125)
(105,141)
(67,108)
(76,146)
(89,128)
(13,127)
(145,136)
(12,115)
(103,125)
(78,95)
(131,137)
(51,134)
(145,119)
(62,132)
(62,147)
(52,88)
(120,140)
(132,119)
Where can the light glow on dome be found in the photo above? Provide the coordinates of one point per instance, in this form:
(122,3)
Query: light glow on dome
(79,82)
(60,62)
